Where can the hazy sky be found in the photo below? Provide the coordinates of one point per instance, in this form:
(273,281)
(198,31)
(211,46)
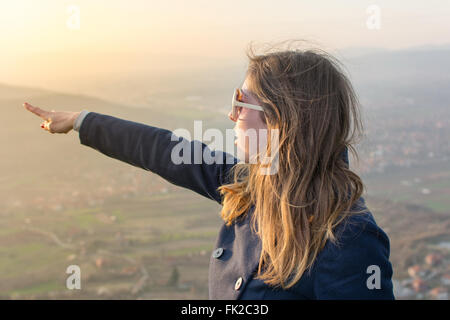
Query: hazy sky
(41,41)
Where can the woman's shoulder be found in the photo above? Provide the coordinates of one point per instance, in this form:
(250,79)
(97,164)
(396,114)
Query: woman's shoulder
(344,267)
(361,224)
(357,233)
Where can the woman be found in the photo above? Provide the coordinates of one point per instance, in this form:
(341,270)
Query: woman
(302,231)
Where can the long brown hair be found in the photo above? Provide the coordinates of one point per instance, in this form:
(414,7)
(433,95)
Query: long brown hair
(309,99)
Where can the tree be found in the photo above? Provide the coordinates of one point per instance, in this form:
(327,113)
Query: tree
(174,277)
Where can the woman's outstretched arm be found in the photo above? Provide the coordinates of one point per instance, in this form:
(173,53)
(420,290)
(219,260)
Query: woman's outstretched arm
(152,148)
(147,147)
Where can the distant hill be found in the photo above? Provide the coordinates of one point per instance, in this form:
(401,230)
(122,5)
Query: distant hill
(411,229)
(416,77)
(8,92)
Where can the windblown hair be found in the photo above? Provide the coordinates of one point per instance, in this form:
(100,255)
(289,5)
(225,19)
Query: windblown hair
(308,98)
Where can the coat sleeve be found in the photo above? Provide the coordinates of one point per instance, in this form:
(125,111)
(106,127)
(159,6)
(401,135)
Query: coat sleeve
(150,148)
(357,267)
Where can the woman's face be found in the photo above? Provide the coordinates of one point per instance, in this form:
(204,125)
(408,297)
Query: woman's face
(253,120)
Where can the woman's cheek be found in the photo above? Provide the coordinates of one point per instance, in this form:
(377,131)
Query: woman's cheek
(262,141)
(240,144)
(247,147)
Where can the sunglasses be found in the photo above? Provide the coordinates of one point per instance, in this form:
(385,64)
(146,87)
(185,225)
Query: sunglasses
(237,104)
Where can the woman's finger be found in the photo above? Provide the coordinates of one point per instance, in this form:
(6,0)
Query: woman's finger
(37,111)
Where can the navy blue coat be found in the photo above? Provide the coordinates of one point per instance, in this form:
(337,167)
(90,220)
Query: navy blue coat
(348,271)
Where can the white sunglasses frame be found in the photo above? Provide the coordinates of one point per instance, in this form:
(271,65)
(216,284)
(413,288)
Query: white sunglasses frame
(236,103)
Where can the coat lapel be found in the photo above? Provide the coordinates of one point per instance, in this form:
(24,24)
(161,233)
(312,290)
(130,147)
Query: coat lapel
(240,258)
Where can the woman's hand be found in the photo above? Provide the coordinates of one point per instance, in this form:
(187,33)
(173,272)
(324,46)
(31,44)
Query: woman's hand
(55,121)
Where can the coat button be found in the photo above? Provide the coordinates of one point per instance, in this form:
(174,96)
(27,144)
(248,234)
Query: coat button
(238,284)
(217,253)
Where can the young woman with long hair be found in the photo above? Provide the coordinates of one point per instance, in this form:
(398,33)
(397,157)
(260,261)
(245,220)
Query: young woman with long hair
(302,231)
